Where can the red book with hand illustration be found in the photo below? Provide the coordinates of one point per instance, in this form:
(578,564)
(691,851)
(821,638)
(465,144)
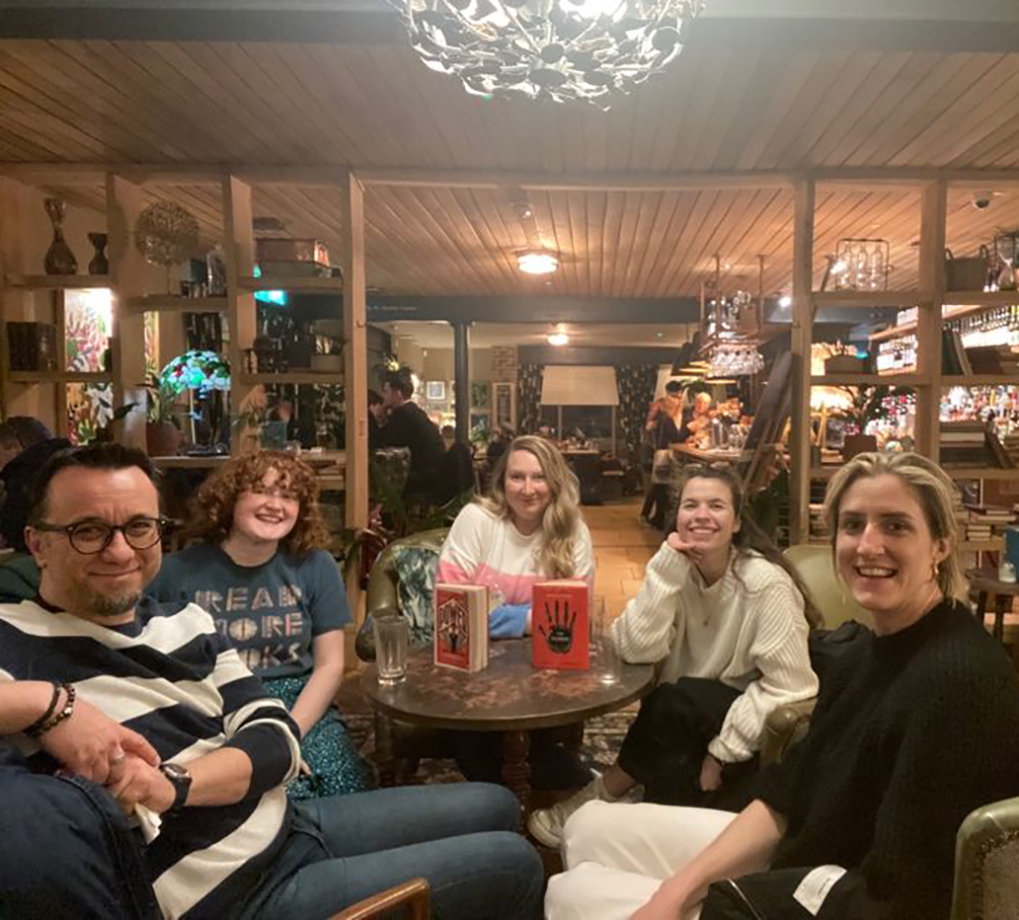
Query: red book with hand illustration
(560,631)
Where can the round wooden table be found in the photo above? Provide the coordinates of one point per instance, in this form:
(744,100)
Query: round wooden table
(509,696)
(985,582)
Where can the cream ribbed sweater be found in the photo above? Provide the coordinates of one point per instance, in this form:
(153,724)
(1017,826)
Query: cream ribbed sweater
(747,630)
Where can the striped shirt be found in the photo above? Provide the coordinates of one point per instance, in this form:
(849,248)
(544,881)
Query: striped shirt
(172,679)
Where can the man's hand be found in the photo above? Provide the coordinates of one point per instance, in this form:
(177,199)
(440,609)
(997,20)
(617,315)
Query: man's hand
(711,774)
(94,746)
(141,783)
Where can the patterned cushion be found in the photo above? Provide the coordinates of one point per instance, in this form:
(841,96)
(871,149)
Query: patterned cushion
(415,567)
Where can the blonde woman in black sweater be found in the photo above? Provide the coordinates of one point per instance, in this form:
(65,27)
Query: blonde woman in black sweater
(915,727)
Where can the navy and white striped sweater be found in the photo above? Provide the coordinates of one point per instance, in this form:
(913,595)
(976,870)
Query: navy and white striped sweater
(171,678)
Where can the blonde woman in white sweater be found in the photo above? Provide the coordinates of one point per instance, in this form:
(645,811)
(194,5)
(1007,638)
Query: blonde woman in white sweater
(722,608)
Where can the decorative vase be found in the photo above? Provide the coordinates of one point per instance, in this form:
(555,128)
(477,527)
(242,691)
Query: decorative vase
(163,439)
(99,265)
(59,258)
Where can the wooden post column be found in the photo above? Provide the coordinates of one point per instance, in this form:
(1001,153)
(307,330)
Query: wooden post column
(127,279)
(933,214)
(355,367)
(802,335)
(239,252)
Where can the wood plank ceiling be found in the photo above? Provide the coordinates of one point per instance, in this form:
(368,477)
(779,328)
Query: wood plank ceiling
(378,107)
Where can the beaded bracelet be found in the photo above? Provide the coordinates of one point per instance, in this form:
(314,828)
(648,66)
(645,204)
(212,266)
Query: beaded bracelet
(52,719)
(38,723)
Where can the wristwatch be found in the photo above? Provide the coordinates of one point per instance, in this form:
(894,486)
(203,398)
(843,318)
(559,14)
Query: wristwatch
(181,779)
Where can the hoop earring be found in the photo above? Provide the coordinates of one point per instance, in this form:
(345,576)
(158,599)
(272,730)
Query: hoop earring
(935,571)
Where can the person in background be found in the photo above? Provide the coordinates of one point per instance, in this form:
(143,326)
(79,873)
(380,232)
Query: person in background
(448,433)
(664,428)
(300,429)
(527,529)
(916,726)
(723,609)
(261,569)
(406,425)
(25,444)
(698,425)
(498,445)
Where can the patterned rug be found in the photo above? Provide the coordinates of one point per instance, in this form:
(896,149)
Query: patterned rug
(602,739)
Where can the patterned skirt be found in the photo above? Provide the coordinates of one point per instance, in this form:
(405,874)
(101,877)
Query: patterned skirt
(336,766)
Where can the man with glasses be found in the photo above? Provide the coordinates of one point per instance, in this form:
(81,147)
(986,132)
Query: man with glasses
(113,700)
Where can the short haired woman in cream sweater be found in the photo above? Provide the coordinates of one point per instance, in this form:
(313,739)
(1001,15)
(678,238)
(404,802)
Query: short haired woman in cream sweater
(723,609)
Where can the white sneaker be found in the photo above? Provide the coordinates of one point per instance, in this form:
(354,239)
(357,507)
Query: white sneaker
(546,824)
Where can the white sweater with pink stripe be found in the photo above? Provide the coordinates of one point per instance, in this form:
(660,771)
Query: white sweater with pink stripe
(482,549)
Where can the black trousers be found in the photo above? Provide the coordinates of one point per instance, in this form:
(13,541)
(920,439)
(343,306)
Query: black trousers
(667,742)
(656,505)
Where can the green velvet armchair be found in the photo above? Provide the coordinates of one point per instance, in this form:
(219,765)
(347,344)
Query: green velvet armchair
(398,745)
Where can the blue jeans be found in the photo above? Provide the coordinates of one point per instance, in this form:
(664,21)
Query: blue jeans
(66,851)
(461,837)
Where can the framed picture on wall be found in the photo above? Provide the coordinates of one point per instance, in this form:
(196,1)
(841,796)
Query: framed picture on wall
(481,394)
(435,390)
(504,398)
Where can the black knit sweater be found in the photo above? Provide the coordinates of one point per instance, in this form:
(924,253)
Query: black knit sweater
(912,732)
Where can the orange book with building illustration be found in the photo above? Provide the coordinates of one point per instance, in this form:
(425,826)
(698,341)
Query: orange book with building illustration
(461,626)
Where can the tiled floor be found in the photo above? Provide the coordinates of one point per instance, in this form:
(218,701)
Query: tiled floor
(622,547)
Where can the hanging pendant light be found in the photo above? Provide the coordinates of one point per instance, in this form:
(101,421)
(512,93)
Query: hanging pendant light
(565,50)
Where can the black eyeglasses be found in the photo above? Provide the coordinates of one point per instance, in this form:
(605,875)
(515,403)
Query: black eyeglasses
(91,537)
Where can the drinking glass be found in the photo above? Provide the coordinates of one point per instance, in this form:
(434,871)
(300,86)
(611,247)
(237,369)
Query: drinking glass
(607,664)
(392,637)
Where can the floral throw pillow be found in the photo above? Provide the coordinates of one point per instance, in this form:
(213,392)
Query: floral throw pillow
(416,567)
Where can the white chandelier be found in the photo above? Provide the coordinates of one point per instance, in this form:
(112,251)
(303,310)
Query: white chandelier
(559,49)
(734,359)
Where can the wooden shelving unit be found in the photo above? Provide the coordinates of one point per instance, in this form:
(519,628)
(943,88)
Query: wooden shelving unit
(169,303)
(55,282)
(859,380)
(934,305)
(295,284)
(320,378)
(58,377)
(867,300)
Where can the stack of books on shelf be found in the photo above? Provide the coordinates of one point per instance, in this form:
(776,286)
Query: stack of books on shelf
(993,359)
(971,443)
(818,525)
(1011,445)
(954,359)
(988,522)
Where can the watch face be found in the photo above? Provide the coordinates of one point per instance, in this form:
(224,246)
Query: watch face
(175,771)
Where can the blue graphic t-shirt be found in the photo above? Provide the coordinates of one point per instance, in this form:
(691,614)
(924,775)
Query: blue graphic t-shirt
(270,613)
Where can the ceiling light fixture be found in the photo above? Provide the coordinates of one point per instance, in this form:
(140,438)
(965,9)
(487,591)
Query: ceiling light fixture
(558,339)
(566,50)
(537,263)
(785,301)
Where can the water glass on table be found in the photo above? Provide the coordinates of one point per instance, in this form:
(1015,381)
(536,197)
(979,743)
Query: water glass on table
(392,639)
(606,663)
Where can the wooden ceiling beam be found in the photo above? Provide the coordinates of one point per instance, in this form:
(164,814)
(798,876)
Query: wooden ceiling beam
(849,32)
(330,176)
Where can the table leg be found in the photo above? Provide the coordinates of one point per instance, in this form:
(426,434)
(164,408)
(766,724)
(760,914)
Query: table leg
(1001,603)
(981,607)
(516,768)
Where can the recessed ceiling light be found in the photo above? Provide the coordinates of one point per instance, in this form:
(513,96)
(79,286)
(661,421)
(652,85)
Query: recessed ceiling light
(537,263)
